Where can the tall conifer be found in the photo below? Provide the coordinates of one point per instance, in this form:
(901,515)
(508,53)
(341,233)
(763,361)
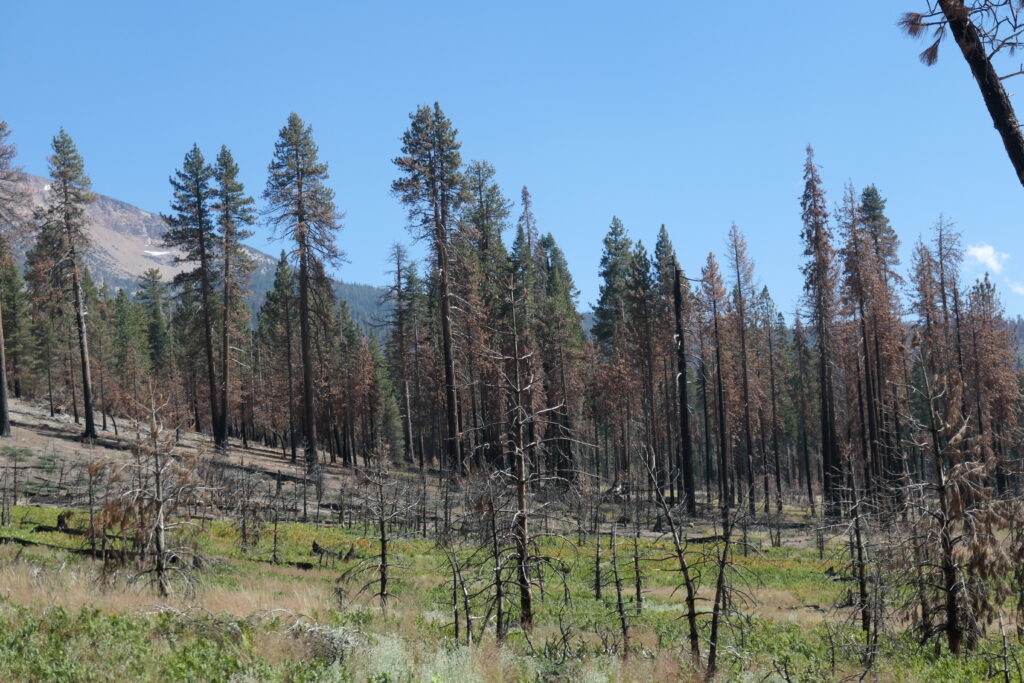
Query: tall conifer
(193,231)
(432,187)
(301,206)
(64,223)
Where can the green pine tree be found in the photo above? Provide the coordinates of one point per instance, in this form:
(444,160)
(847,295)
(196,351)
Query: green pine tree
(234,210)
(433,188)
(193,231)
(63,228)
(277,327)
(610,311)
(152,296)
(301,205)
(12,206)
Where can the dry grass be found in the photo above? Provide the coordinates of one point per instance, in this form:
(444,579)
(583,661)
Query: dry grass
(44,580)
(786,606)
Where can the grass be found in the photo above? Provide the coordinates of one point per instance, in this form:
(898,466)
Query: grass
(250,619)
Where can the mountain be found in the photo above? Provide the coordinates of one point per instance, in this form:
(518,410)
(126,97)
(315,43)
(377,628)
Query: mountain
(126,241)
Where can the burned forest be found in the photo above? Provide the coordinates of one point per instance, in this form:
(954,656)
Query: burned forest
(490,478)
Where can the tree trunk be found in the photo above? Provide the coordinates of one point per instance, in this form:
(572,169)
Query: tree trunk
(728,487)
(204,292)
(225,345)
(83,349)
(305,342)
(451,395)
(522,532)
(684,403)
(996,99)
(5,415)
(776,454)
(291,376)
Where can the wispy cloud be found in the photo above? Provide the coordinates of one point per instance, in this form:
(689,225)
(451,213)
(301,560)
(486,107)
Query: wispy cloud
(1016,287)
(986,255)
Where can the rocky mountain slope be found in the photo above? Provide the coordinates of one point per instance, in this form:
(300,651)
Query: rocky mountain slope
(126,241)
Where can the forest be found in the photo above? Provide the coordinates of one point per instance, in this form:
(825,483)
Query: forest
(485,483)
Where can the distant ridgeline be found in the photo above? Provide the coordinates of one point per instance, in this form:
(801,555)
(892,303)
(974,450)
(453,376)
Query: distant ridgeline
(365,302)
(127,241)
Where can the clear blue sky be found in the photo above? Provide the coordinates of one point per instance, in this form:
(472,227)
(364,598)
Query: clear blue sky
(690,114)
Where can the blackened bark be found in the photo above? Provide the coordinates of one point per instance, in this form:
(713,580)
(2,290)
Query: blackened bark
(225,372)
(305,343)
(450,392)
(728,487)
(5,415)
(684,404)
(83,350)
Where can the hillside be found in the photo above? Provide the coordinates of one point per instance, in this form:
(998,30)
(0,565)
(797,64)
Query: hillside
(127,241)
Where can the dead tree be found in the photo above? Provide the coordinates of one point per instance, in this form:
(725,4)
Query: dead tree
(248,503)
(620,604)
(160,497)
(721,598)
(684,403)
(690,584)
(387,501)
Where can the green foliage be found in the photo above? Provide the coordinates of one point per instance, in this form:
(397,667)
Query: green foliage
(153,299)
(299,202)
(609,312)
(432,184)
(192,228)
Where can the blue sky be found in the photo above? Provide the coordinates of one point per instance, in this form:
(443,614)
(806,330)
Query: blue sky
(695,115)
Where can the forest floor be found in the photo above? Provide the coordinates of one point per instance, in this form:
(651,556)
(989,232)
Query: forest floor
(65,615)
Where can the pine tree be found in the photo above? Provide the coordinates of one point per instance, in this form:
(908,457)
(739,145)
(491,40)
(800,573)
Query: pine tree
(883,239)
(686,449)
(101,334)
(641,305)
(301,205)
(47,303)
(396,349)
(192,230)
(800,389)
(12,205)
(869,257)
(664,311)
(561,341)
(128,340)
(487,211)
(480,268)
(993,387)
(609,313)
(234,210)
(432,187)
(17,336)
(819,289)
(713,294)
(152,297)
(774,334)
(64,223)
(276,327)
(743,271)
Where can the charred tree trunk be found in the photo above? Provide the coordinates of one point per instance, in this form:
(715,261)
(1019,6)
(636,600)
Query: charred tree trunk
(684,403)
(728,486)
(451,395)
(306,345)
(5,415)
(83,349)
